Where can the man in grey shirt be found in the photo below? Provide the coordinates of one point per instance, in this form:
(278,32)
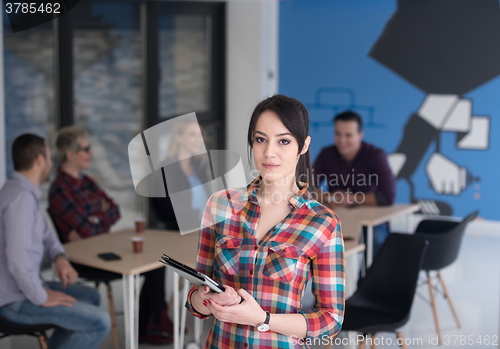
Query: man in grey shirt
(25,237)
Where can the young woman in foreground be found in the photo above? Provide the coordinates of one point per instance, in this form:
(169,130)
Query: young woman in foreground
(264,241)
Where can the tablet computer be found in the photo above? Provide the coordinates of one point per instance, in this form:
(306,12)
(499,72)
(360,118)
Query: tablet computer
(193,275)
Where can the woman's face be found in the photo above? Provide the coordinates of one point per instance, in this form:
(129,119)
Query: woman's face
(83,155)
(275,149)
(191,139)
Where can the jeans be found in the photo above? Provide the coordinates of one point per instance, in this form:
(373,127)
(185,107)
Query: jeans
(82,326)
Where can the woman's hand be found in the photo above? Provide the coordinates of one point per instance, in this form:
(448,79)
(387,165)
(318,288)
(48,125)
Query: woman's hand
(203,294)
(73,236)
(228,297)
(65,271)
(248,312)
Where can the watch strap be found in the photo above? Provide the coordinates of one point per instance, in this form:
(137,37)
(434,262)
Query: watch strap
(268,318)
(63,255)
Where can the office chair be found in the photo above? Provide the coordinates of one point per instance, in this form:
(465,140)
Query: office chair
(383,300)
(8,328)
(98,276)
(445,238)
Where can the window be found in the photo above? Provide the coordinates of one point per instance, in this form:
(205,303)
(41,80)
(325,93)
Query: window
(118,75)
(107,94)
(184,51)
(29,84)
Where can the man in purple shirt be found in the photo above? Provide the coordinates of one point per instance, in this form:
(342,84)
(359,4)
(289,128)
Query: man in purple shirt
(354,172)
(25,237)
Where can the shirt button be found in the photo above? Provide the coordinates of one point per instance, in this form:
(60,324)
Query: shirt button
(256,248)
(251,272)
(246,345)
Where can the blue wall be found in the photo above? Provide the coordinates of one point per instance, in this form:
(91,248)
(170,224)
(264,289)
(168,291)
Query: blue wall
(325,44)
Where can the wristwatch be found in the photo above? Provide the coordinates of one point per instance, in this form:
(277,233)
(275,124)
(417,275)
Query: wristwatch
(263,327)
(63,255)
(94,219)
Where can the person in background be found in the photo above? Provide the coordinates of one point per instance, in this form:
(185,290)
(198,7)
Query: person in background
(356,172)
(80,208)
(25,237)
(187,168)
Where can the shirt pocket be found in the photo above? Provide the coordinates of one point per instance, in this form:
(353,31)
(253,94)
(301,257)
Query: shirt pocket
(227,254)
(281,261)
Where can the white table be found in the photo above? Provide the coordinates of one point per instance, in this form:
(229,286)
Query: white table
(353,219)
(180,247)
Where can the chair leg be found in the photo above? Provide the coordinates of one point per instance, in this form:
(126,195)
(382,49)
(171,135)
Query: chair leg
(42,340)
(447,296)
(362,345)
(114,328)
(331,343)
(400,336)
(434,307)
(170,303)
(374,346)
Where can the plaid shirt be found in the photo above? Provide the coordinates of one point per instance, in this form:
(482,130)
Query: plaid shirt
(72,201)
(307,244)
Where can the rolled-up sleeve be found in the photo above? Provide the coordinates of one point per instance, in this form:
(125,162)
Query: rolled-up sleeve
(51,243)
(328,283)
(18,236)
(205,257)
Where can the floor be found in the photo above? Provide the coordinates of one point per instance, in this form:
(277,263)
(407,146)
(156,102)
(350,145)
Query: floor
(473,281)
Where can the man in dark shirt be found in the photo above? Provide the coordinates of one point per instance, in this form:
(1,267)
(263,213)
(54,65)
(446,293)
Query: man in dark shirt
(354,172)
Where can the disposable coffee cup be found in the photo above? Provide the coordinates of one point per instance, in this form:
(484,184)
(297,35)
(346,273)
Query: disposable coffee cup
(137,244)
(140,225)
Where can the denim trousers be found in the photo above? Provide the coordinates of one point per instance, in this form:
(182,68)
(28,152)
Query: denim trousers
(82,326)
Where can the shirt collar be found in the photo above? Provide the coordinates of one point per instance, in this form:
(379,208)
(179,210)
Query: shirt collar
(296,201)
(358,154)
(70,178)
(25,182)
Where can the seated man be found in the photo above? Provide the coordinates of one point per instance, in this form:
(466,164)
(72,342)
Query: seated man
(25,237)
(356,173)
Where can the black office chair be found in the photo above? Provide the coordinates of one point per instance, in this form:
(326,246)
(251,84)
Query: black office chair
(98,276)
(8,328)
(384,297)
(445,238)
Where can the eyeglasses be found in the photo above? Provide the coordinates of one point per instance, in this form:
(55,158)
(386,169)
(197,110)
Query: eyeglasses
(87,149)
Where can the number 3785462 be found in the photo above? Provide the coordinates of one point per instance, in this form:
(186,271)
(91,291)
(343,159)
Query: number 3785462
(26,7)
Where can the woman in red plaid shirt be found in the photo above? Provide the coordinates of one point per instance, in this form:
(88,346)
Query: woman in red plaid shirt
(263,242)
(80,208)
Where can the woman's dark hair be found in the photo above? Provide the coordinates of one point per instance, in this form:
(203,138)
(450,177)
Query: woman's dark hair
(295,117)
